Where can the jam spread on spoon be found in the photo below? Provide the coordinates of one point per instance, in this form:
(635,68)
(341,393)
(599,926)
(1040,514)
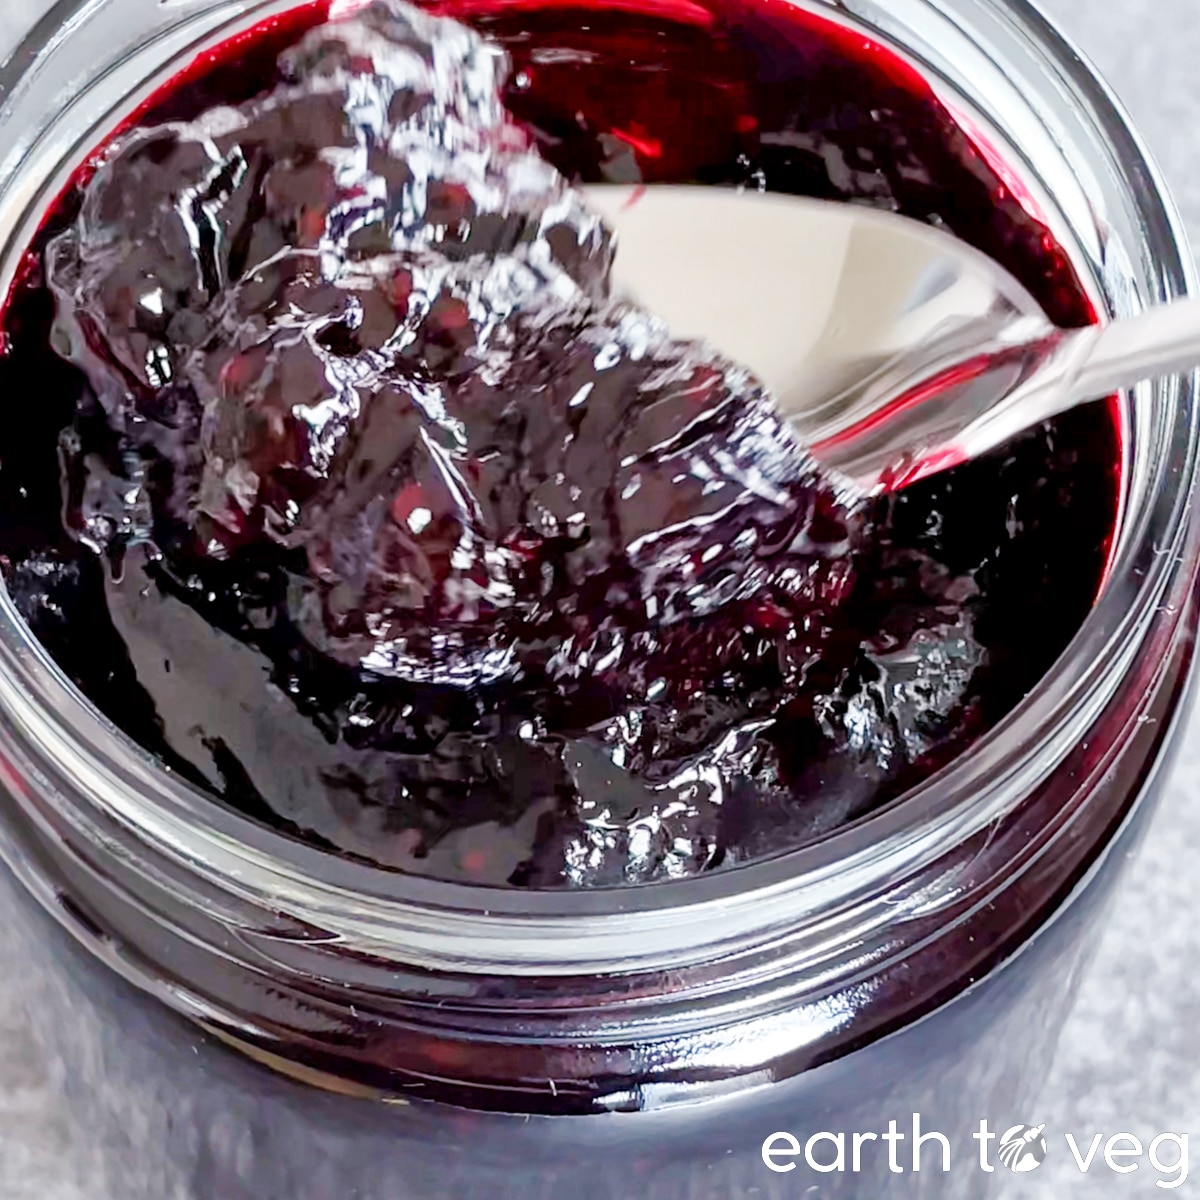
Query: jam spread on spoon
(363,502)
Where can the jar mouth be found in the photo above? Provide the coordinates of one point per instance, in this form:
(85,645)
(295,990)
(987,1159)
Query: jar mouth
(76,753)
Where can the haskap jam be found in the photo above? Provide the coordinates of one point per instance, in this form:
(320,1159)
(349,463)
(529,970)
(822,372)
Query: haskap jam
(337,475)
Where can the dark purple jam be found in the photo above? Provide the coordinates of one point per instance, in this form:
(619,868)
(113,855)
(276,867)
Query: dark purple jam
(335,474)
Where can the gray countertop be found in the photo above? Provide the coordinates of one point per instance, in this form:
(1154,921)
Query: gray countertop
(1127,1061)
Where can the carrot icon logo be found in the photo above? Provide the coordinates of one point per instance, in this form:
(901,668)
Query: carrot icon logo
(1023,1148)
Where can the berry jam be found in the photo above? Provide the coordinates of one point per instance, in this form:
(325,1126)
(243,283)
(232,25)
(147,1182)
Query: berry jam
(354,495)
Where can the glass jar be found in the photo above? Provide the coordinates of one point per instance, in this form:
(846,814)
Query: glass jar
(231,1014)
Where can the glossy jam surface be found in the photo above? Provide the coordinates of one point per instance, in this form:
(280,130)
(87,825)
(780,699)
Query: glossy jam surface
(352,492)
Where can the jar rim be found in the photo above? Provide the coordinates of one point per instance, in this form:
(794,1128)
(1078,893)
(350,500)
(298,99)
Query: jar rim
(76,752)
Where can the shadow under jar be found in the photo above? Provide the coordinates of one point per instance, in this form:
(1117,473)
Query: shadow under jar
(434,1038)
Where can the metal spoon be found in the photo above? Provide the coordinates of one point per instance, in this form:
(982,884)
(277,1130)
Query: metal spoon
(896,350)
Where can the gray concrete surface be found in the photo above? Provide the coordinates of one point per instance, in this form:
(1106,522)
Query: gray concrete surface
(1130,1057)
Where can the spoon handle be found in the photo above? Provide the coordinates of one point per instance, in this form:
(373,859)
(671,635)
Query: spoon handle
(961,408)
(1160,341)
(1067,368)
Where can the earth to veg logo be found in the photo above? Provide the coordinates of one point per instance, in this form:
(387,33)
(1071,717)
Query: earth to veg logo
(1022,1148)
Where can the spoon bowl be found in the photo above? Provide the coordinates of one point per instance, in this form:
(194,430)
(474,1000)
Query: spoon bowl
(895,350)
